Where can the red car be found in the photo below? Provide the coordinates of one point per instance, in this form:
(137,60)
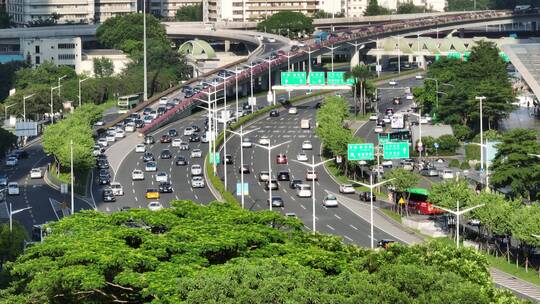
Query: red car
(165,139)
(281,159)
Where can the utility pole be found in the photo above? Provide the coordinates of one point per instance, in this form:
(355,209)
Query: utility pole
(144,53)
(241,134)
(24,105)
(72,179)
(481,99)
(81,81)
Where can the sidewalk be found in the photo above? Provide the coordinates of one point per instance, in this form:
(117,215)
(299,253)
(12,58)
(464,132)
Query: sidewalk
(519,286)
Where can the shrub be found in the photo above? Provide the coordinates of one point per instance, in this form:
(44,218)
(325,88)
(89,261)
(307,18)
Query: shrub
(448,143)
(465,165)
(462,132)
(454,163)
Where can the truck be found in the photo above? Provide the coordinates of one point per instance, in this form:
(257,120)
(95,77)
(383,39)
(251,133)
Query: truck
(305,124)
(397,121)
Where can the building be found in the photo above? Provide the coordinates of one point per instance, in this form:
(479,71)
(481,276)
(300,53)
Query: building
(168,8)
(24,12)
(251,10)
(433,5)
(356,8)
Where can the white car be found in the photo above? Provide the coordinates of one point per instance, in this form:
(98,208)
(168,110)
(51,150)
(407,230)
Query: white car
(271,40)
(163,101)
(155,206)
(379,129)
(150,166)
(306,145)
(13,188)
(419,76)
(188,131)
(99,123)
(11,161)
(176,142)
(387,164)
(409,96)
(330,201)
(196,153)
(204,139)
(103,142)
(117,189)
(346,189)
(197,182)
(246,143)
(373,117)
(111,137)
(264,141)
(303,190)
(196,169)
(137,175)
(140,148)
(447,174)
(392,82)
(386,119)
(301,157)
(36,173)
(120,134)
(293,110)
(130,127)
(162,177)
(423,120)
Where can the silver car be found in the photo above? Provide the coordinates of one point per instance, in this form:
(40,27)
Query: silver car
(197,182)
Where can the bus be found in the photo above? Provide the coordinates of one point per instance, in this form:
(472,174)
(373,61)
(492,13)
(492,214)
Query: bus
(418,200)
(126,103)
(395,135)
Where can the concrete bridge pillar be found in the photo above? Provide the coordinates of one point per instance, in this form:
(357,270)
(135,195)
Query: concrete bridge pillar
(355,58)
(411,58)
(319,59)
(421,61)
(227,45)
(304,66)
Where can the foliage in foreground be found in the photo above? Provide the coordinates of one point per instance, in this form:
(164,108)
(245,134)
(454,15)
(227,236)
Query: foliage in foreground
(222,254)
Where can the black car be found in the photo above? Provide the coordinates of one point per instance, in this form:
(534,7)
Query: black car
(276,202)
(161,110)
(125,208)
(181,161)
(185,88)
(148,156)
(365,196)
(244,169)
(381,123)
(104,179)
(165,154)
(294,183)
(283,176)
(196,128)
(195,137)
(103,164)
(149,139)
(318,105)
(228,159)
(173,133)
(108,195)
(165,139)
(139,123)
(274,113)
(165,187)
(135,116)
(169,106)
(100,157)
(189,94)
(295,48)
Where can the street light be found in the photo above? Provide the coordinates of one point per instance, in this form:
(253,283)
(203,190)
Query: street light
(482,147)
(312,166)
(241,134)
(309,51)
(269,149)
(60,78)
(251,65)
(5,109)
(24,105)
(457,214)
(356,49)
(81,81)
(144,53)
(332,48)
(270,97)
(52,99)
(72,179)
(12,213)
(236,72)
(224,119)
(371,186)
(399,52)
(419,115)
(481,99)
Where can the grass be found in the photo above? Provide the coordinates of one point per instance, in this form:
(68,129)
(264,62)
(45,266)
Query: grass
(328,65)
(392,214)
(519,272)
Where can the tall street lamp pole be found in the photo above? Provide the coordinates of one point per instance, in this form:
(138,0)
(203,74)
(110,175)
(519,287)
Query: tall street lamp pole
(52,99)
(144,53)
(269,149)
(81,81)
(271,99)
(24,105)
(481,99)
(484,146)
(12,213)
(251,65)
(309,51)
(332,48)
(5,109)
(236,88)
(312,166)
(241,135)
(420,145)
(458,214)
(60,78)
(356,45)
(371,186)
(72,179)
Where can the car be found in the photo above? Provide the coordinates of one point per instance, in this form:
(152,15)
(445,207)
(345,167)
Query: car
(373,117)
(181,160)
(196,153)
(392,82)
(137,175)
(176,142)
(165,139)
(120,134)
(271,39)
(102,164)
(274,113)
(20,154)
(165,154)
(384,244)
(163,100)
(152,193)
(389,112)
(3,180)
(165,187)
(97,150)
(312,175)
(386,119)
(281,159)
(99,123)
(148,156)
(130,127)
(377,169)
(11,161)
(378,129)
(291,214)
(147,119)
(188,131)
(419,76)
(447,174)
(264,141)
(103,142)
(111,136)
(397,100)
(108,195)
(204,139)
(117,188)
(271,184)
(149,140)
(140,148)
(293,110)
(155,206)
(195,137)
(387,164)
(246,143)
(150,166)
(196,169)
(407,165)
(302,157)
(36,173)
(366,196)
(263,176)
(294,183)
(306,145)
(184,146)
(104,178)
(195,128)
(303,190)
(346,189)
(330,201)
(13,188)
(244,169)
(162,177)
(474,222)
(276,202)
(197,182)
(283,176)
(429,171)
(409,96)
(229,159)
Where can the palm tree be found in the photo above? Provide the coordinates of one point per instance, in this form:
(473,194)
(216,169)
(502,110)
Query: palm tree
(360,74)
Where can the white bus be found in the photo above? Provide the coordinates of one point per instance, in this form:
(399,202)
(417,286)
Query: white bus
(126,103)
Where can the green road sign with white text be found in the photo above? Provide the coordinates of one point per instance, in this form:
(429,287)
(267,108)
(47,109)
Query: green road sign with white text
(293,78)
(338,78)
(316,78)
(396,150)
(360,151)
(216,158)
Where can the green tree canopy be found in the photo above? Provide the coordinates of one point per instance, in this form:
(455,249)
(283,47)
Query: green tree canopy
(403,179)
(374,9)
(295,22)
(448,193)
(409,8)
(189,13)
(192,253)
(103,67)
(8,141)
(5,19)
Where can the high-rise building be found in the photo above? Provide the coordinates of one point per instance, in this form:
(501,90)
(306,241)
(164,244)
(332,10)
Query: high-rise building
(251,10)
(356,8)
(168,8)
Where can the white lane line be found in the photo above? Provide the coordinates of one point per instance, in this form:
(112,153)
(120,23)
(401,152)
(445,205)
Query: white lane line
(196,197)
(348,238)
(337,216)
(302,206)
(350,225)
(332,228)
(136,199)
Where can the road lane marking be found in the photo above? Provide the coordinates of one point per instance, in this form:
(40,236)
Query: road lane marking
(350,225)
(302,206)
(348,238)
(332,228)
(337,216)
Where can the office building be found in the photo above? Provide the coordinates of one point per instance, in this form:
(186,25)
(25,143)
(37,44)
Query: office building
(253,10)
(168,8)
(356,8)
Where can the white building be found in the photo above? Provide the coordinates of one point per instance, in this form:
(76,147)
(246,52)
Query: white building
(356,8)
(433,5)
(168,8)
(248,10)
(23,12)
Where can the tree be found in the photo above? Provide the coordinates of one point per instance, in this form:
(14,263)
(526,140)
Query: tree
(466,5)
(513,165)
(5,19)
(189,13)
(320,14)
(360,74)
(287,23)
(448,193)
(103,67)
(8,141)
(403,181)
(374,9)
(525,222)
(409,8)
(11,242)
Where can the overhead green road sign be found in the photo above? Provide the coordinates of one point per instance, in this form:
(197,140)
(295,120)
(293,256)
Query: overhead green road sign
(316,78)
(338,78)
(216,158)
(293,78)
(396,150)
(360,151)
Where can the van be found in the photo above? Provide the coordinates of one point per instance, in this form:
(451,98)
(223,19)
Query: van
(305,124)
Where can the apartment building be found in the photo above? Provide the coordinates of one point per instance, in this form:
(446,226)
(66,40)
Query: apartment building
(59,51)
(168,8)
(356,8)
(251,10)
